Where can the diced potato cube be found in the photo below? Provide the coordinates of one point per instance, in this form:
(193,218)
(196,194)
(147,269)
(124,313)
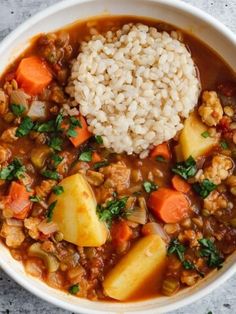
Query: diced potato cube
(191,141)
(141,262)
(75,213)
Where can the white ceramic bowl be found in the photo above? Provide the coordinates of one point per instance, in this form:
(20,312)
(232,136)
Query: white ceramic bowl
(177,13)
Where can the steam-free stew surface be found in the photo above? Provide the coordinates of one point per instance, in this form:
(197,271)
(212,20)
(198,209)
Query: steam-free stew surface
(197,243)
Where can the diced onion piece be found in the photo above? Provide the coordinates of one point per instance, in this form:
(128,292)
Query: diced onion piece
(138,215)
(47,227)
(18,97)
(14,222)
(37,110)
(155,228)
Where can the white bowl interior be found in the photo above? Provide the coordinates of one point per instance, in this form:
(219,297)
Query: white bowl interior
(174,12)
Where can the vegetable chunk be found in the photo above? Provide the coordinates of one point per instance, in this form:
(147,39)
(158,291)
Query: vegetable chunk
(141,262)
(33,75)
(191,141)
(75,213)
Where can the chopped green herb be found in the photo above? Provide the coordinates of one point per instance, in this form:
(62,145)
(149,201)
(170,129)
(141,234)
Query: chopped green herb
(188,264)
(112,209)
(58,190)
(75,122)
(86,156)
(45,127)
(149,186)
(17,109)
(210,251)
(74,289)
(71,133)
(205,134)
(186,169)
(224,145)
(100,164)
(25,127)
(15,170)
(204,188)
(56,143)
(58,122)
(56,159)
(50,211)
(35,198)
(175,247)
(160,158)
(51,174)
(98,139)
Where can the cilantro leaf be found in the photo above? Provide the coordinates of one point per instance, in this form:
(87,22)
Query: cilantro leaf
(50,174)
(35,198)
(56,143)
(188,264)
(205,134)
(98,139)
(149,186)
(210,251)
(18,110)
(204,188)
(86,156)
(224,145)
(71,133)
(186,169)
(74,289)
(50,211)
(111,210)
(100,164)
(58,189)
(58,122)
(45,127)
(175,247)
(25,127)
(15,170)
(56,160)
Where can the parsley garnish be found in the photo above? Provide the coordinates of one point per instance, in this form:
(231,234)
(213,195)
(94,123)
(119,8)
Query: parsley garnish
(48,126)
(58,189)
(186,169)
(188,264)
(111,210)
(224,145)
(73,123)
(25,127)
(210,251)
(149,186)
(35,199)
(56,143)
(17,109)
(86,156)
(98,139)
(204,188)
(56,160)
(58,122)
(15,170)
(205,134)
(100,164)
(50,211)
(50,174)
(74,289)
(176,248)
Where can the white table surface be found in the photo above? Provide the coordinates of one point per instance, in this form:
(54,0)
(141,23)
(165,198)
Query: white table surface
(13,298)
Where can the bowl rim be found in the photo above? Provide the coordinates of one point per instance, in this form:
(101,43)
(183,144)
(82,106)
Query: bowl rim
(22,280)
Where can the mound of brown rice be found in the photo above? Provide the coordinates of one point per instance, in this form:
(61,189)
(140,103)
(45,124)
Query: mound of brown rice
(134,86)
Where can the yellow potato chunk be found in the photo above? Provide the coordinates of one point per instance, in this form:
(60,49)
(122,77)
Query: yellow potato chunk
(142,261)
(75,213)
(191,141)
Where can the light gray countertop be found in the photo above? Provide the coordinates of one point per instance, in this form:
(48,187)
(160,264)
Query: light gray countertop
(13,298)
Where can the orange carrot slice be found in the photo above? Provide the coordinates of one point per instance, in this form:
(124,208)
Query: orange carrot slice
(120,232)
(83,133)
(19,201)
(161,150)
(180,185)
(33,75)
(96,157)
(169,205)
